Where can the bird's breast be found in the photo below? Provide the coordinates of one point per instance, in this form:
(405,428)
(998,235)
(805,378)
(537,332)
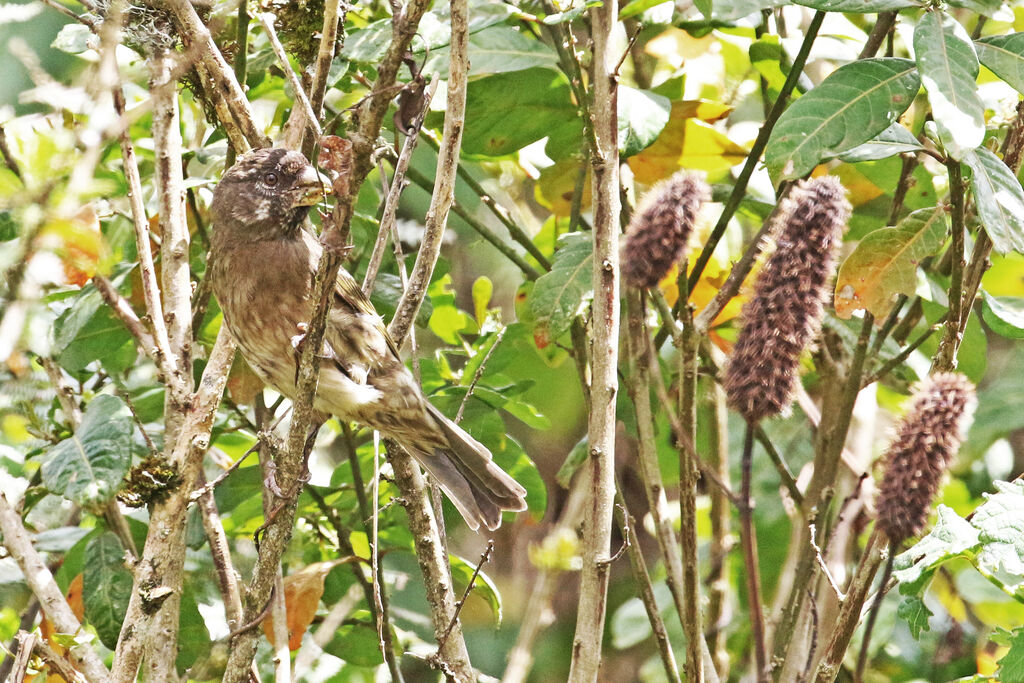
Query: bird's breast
(264,292)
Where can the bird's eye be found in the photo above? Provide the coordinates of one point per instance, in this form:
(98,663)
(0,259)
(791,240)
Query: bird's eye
(270,178)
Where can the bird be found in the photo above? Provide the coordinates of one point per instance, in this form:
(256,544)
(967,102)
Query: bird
(264,257)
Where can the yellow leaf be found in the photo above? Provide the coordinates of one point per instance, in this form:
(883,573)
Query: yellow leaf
(79,243)
(860,189)
(711,280)
(557,185)
(688,141)
(302,593)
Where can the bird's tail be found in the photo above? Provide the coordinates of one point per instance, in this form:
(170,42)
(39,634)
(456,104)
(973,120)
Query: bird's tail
(477,487)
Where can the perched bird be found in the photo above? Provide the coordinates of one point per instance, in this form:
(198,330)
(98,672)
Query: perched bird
(264,261)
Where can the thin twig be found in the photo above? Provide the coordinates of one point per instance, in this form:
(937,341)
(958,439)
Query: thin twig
(312,120)
(688,468)
(394,193)
(485,557)
(823,566)
(945,356)
(740,187)
(752,570)
(496,240)
(876,605)
(479,373)
(333,19)
(645,591)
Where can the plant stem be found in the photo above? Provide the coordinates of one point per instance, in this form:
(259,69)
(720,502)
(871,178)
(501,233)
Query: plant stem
(718,584)
(850,611)
(945,356)
(818,497)
(688,497)
(862,658)
(645,591)
(752,569)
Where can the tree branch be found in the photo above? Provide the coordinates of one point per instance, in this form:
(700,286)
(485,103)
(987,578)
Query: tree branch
(600,469)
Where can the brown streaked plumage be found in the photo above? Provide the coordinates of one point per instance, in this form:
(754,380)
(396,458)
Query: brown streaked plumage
(264,261)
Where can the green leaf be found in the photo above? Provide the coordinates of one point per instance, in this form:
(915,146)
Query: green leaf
(885,263)
(1000,524)
(106,587)
(857,6)
(892,141)
(8,226)
(1004,314)
(447,321)
(767,57)
(984,7)
(642,116)
(571,14)
(387,292)
(949,71)
(495,50)
(483,586)
(356,641)
(998,198)
(564,292)
(507,112)
(87,467)
(853,105)
(1011,666)
(951,537)
(635,7)
(913,611)
(1004,56)
(577,456)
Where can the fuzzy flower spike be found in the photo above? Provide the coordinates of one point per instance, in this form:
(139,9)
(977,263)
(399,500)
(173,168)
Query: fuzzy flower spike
(784,314)
(927,439)
(661,227)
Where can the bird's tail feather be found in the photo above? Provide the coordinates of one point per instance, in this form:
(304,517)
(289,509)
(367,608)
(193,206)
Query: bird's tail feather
(477,487)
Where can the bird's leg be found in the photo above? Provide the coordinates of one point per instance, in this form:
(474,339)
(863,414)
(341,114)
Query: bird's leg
(270,480)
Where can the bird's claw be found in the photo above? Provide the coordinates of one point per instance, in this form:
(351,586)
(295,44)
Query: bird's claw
(334,244)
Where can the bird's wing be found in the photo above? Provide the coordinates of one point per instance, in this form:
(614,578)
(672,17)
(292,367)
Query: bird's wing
(355,333)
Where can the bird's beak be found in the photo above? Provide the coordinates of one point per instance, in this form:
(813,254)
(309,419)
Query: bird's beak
(310,188)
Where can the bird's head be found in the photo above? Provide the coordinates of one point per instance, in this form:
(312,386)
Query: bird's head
(266,194)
